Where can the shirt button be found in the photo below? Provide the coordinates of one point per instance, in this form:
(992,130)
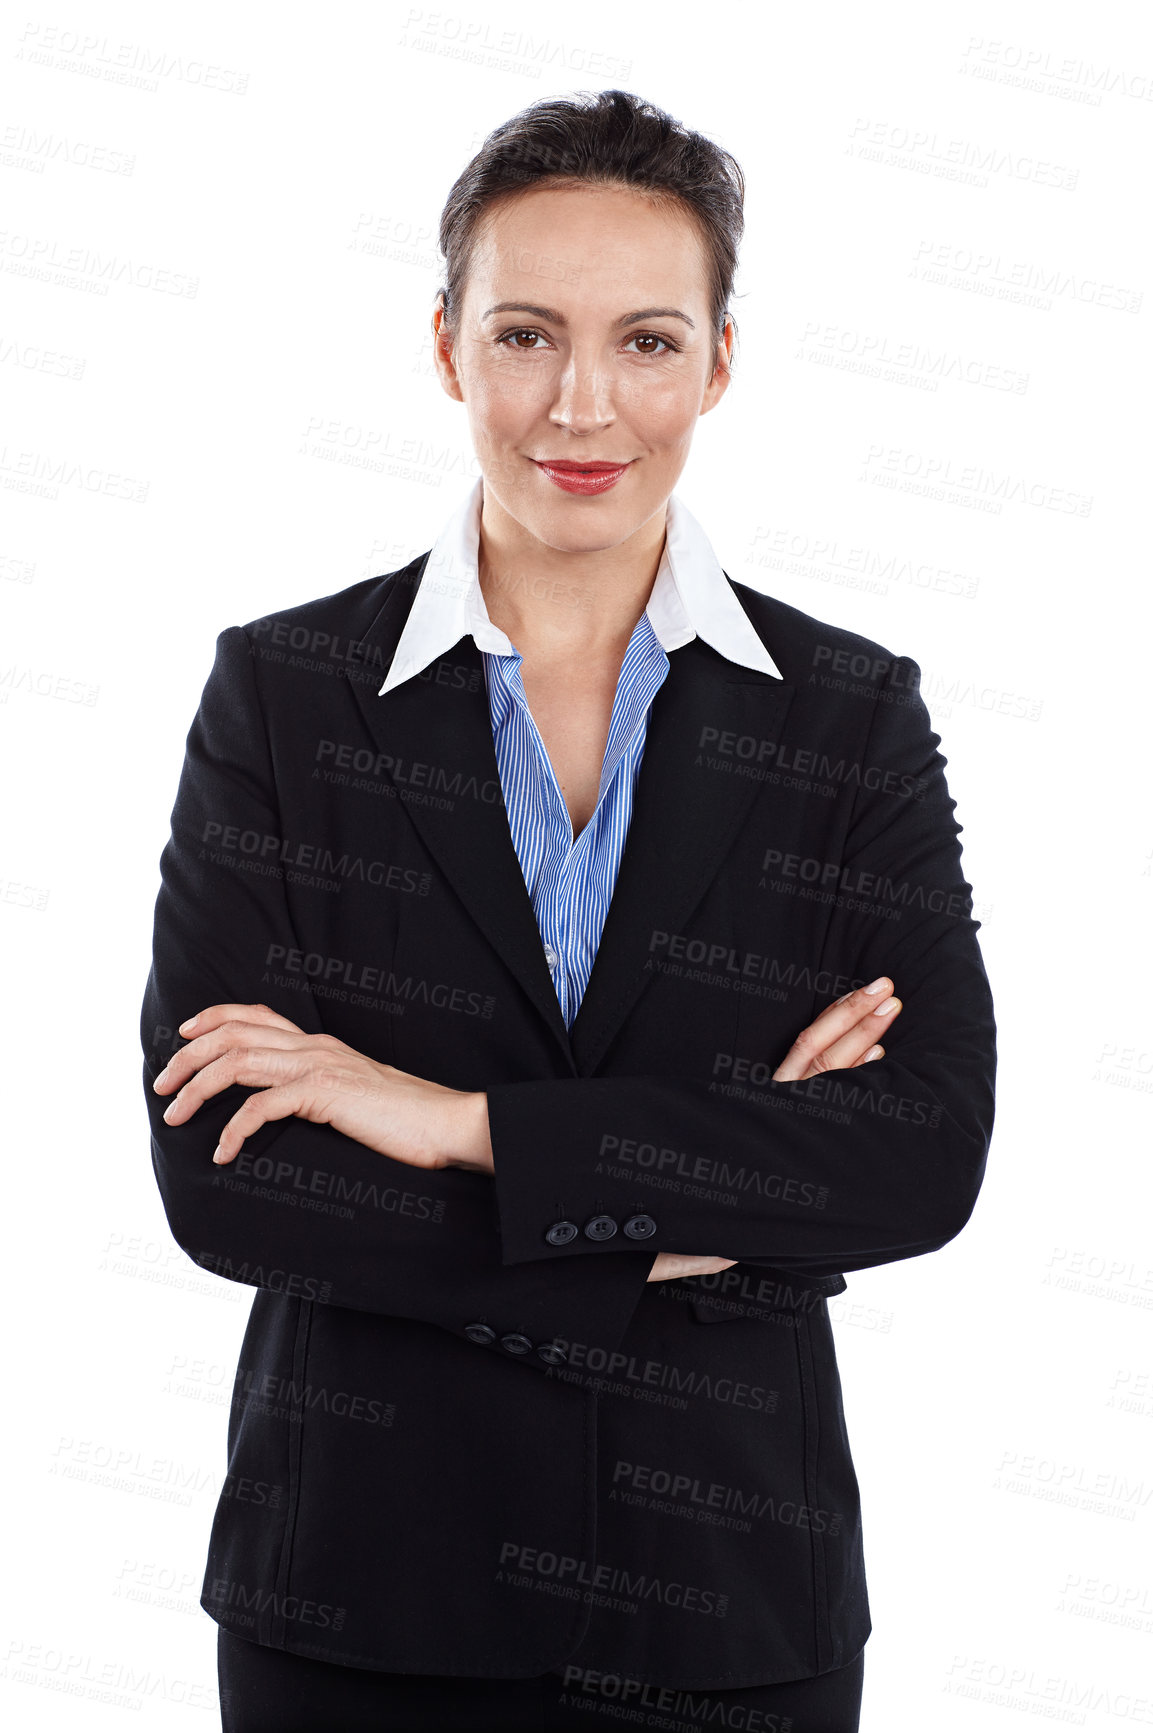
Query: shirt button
(516,1343)
(480,1333)
(640,1227)
(600,1228)
(560,1233)
(551,957)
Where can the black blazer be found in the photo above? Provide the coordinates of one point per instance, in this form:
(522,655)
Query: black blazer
(467,1437)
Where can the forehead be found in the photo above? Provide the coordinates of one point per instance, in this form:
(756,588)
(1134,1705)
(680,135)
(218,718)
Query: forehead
(605,239)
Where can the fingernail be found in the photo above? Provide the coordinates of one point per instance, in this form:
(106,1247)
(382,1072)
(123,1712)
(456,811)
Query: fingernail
(189,1023)
(218,1154)
(169,1110)
(875,988)
(159,1079)
(873,1053)
(889,1005)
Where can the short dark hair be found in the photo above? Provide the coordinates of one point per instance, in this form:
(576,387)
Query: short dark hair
(606,137)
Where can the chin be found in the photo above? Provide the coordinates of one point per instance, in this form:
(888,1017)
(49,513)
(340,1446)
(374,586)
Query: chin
(575,525)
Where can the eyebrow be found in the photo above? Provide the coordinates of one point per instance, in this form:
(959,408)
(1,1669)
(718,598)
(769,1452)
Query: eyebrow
(555,318)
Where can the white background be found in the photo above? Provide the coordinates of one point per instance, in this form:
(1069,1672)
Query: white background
(941,199)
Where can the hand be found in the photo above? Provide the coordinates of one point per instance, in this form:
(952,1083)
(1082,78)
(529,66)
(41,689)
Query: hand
(846,1034)
(843,1036)
(671,1266)
(318,1078)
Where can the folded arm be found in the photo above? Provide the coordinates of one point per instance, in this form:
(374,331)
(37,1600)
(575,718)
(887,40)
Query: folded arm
(305,1208)
(852,1168)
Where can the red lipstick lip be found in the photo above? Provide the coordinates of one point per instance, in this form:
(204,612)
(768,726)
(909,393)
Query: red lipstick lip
(570,468)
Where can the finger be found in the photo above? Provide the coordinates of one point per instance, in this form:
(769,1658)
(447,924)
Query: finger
(214,1015)
(834,1022)
(255,1067)
(859,1046)
(313,1096)
(281,1102)
(233,1033)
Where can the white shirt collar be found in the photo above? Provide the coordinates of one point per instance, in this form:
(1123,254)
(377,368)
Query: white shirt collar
(690,597)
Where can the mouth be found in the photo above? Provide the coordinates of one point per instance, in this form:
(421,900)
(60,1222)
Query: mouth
(590,477)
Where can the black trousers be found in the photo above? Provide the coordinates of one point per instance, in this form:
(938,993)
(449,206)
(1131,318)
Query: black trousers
(266,1690)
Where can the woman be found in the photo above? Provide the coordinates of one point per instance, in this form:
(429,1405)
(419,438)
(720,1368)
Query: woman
(496,1137)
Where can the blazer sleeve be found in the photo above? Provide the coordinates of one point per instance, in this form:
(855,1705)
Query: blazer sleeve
(305,1209)
(856,1167)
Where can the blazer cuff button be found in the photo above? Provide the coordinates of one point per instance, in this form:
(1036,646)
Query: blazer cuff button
(480,1333)
(516,1343)
(560,1233)
(600,1228)
(552,1354)
(640,1227)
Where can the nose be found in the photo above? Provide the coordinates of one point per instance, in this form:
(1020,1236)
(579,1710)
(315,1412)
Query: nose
(583,400)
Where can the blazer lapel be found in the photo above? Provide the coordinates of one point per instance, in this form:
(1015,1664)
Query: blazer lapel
(686,815)
(436,737)
(686,812)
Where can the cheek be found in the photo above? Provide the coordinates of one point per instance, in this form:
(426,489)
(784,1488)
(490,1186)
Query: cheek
(667,408)
(503,402)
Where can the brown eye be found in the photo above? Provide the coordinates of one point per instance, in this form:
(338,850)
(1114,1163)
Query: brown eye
(670,348)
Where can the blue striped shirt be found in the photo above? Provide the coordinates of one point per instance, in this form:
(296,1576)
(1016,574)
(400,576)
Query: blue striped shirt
(570,883)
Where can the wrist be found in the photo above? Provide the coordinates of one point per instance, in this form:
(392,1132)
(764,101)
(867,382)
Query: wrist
(468,1143)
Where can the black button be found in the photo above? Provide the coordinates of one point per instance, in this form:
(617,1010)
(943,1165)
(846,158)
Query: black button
(600,1228)
(480,1333)
(516,1344)
(552,1354)
(640,1227)
(561,1233)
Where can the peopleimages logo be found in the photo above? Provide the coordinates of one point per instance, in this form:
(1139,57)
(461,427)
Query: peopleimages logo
(559,1568)
(908,893)
(687,1707)
(712,1497)
(717,1172)
(265,847)
(249,1603)
(283,1398)
(658,1377)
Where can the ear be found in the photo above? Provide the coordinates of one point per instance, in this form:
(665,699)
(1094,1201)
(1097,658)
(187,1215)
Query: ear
(721,377)
(442,347)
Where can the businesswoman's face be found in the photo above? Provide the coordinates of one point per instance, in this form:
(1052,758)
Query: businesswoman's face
(585,336)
